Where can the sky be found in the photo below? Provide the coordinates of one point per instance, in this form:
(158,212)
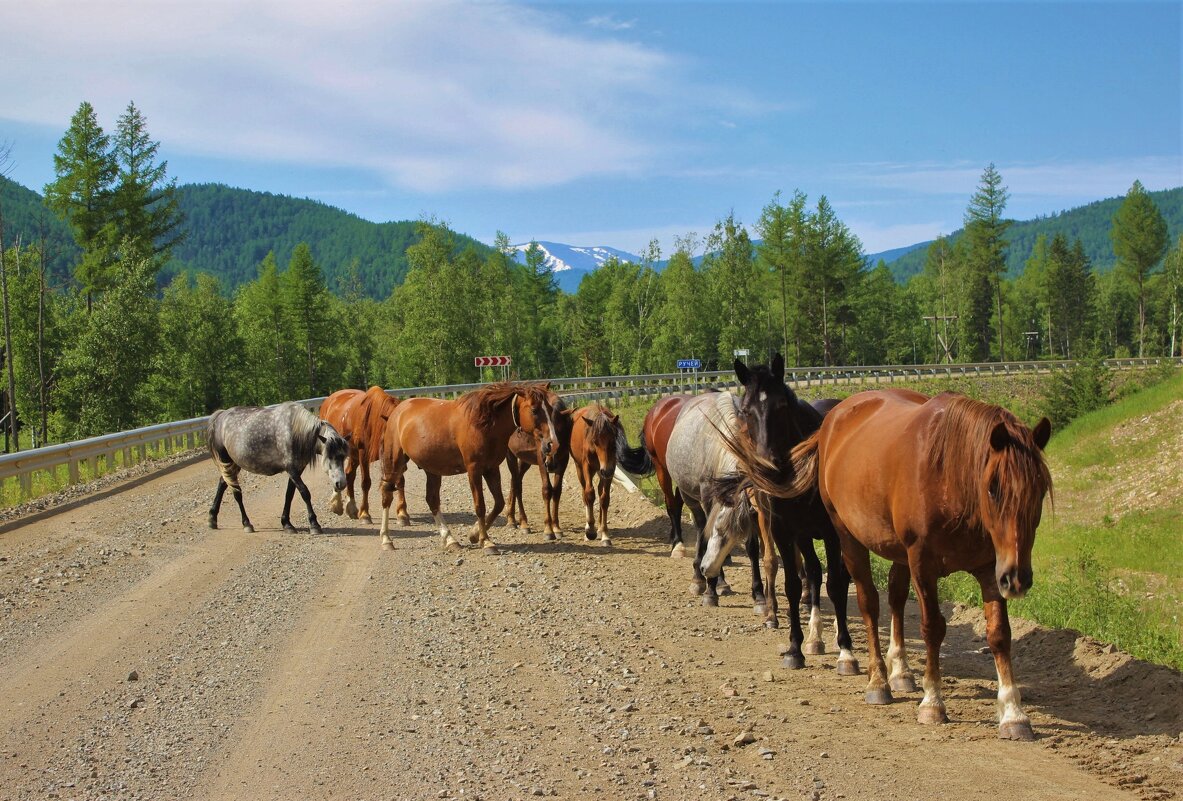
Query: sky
(617,123)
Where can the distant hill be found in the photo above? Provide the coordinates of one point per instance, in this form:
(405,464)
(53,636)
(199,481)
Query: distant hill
(895,254)
(570,263)
(230,231)
(1089,223)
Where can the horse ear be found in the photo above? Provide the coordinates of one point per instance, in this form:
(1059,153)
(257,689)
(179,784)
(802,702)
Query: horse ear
(567,412)
(998,436)
(742,372)
(322,438)
(1042,432)
(778,368)
(347,437)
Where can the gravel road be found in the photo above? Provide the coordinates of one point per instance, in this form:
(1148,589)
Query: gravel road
(144,656)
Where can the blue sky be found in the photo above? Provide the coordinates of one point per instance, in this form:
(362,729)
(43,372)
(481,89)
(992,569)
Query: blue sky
(613,124)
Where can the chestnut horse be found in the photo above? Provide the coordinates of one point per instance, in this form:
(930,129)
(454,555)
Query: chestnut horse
(524,450)
(934,485)
(361,418)
(468,435)
(597,436)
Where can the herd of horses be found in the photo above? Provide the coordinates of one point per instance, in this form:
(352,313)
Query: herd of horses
(934,485)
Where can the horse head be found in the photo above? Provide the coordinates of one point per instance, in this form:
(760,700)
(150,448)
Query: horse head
(768,410)
(1010,499)
(332,448)
(537,411)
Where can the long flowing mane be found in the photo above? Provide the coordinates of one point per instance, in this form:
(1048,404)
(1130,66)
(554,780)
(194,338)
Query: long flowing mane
(960,449)
(603,427)
(481,404)
(378,406)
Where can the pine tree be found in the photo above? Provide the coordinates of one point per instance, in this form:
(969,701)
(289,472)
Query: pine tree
(1173,291)
(144,201)
(81,194)
(265,332)
(1140,240)
(306,305)
(734,286)
(782,235)
(985,230)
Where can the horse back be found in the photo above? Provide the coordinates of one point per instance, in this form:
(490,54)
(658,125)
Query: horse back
(341,410)
(873,465)
(659,424)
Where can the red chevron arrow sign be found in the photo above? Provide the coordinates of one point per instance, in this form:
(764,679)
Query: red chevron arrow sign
(492,361)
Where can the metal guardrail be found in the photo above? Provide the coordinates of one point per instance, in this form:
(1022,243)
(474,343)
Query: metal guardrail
(187,434)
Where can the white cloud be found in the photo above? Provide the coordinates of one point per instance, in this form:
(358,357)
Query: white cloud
(608,22)
(1088,180)
(432,95)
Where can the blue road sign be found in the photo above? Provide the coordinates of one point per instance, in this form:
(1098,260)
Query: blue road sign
(689,364)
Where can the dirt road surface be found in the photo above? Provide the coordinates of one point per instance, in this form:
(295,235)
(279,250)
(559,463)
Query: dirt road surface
(144,656)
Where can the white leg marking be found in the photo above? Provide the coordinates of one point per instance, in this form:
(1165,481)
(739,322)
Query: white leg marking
(1009,709)
(815,625)
(897,659)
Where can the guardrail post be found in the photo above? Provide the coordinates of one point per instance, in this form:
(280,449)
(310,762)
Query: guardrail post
(26,481)
(73,471)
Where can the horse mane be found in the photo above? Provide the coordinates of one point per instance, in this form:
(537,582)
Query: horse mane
(960,448)
(481,404)
(603,427)
(305,428)
(378,406)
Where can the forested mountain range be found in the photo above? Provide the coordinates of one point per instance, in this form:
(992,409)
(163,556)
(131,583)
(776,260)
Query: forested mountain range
(1090,224)
(230,231)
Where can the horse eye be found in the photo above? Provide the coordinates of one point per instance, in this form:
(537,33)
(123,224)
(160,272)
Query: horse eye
(993,489)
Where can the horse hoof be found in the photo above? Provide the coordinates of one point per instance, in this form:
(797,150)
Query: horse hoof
(931,715)
(848,667)
(335,505)
(249,529)
(607,543)
(698,587)
(814,648)
(759,609)
(903,684)
(316,530)
(771,623)
(879,696)
(366,519)
(351,510)
(794,661)
(710,600)
(213,524)
(474,537)
(590,534)
(1016,730)
(550,537)
(678,551)
(387,544)
(724,589)
(491,550)
(403,520)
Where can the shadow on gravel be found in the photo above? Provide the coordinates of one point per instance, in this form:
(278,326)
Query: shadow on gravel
(1066,675)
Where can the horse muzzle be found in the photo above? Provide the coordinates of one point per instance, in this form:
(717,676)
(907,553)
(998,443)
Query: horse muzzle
(1014,582)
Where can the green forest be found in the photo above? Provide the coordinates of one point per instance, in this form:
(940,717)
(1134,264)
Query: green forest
(129,300)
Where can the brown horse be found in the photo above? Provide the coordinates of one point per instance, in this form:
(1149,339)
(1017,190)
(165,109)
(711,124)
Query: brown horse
(934,485)
(361,418)
(597,436)
(468,435)
(524,450)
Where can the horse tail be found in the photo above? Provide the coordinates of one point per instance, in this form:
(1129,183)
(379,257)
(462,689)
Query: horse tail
(804,460)
(633,460)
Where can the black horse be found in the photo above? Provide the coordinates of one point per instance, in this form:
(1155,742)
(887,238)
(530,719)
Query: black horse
(774,420)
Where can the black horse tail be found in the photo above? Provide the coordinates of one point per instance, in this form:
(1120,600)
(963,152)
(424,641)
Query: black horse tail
(634,460)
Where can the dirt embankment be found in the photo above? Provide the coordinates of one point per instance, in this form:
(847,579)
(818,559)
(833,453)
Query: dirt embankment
(145,656)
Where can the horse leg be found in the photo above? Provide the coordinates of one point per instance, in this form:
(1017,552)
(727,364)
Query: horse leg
(769,561)
(393,467)
(548,527)
(448,541)
(588,489)
(838,588)
(794,659)
(556,492)
(400,511)
(708,588)
(605,499)
(236,489)
(285,520)
(493,481)
(752,546)
(313,523)
(1013,723)
(900,678)
(858,562)
(478,504)
(932,627)
(673,508)
(361,511)
(515,490)
(813,578)
(217,504)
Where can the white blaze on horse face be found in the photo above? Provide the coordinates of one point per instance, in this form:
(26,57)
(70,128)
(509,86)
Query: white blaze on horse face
(723,533)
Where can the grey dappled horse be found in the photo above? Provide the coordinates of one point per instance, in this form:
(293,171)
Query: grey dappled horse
(282,438)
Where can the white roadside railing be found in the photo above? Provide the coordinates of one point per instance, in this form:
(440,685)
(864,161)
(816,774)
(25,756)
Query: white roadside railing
(130,447)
